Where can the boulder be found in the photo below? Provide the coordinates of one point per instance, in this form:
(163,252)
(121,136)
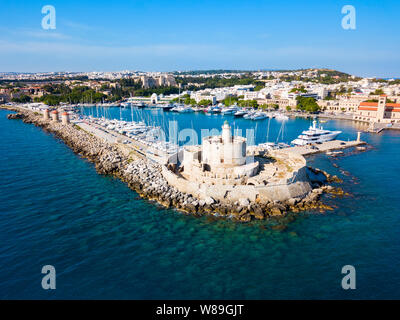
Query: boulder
(258,213)
(209,201)
(275,211)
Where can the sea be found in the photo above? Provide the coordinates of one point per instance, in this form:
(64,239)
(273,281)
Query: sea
(105,242)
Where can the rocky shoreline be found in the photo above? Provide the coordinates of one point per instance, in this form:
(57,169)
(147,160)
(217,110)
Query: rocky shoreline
(145,177)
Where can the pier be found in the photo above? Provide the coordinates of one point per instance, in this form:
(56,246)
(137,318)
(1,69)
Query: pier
(127,144)
(323,147)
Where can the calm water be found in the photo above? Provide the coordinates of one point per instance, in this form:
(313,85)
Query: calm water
(105,242)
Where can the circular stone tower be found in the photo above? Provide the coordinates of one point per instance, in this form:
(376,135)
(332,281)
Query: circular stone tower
(46,114)
(65,118)
(54,115)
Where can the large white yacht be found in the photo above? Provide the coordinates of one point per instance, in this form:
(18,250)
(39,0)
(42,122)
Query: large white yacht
(259,116)
(314,135)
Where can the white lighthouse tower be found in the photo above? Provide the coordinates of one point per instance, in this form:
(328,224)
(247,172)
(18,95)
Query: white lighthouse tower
(226,133)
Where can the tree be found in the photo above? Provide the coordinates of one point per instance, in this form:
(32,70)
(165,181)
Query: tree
(248,103)
(288,108)
(301,89)
(377,92)
(22,99)
(205,102)
(307,104)
(188,100)
(230,100)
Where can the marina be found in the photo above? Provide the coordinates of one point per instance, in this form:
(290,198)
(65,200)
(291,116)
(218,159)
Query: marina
(146,130)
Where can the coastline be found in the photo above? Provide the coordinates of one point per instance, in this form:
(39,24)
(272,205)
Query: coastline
(147,180)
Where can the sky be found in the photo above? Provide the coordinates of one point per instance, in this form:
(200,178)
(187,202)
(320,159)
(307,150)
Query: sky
(170,35)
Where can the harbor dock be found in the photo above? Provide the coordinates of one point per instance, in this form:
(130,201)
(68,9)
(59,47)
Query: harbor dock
(322,147)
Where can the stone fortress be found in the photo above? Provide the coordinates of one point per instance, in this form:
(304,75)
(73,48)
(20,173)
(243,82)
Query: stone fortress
(224,168)
(220,159)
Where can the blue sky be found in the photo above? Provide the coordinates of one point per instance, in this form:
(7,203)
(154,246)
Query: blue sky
(172,35)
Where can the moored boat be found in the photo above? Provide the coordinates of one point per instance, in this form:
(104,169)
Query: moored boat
(315,135)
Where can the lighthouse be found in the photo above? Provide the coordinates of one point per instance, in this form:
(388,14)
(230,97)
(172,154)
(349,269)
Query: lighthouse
(226,133)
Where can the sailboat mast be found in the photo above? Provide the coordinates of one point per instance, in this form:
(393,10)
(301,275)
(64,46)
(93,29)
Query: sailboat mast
(269,121)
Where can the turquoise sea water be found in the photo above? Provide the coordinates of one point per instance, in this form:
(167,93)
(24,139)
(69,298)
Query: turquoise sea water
(105,242)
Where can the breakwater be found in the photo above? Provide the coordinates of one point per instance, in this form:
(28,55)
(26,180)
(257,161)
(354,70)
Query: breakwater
(145,177)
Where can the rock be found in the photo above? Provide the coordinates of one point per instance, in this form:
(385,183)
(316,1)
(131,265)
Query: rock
(195,203)
(292,201)
(244,202)
(258,213)
(15,116)
(209,201)
(318,191)
(275,211)
(279,227)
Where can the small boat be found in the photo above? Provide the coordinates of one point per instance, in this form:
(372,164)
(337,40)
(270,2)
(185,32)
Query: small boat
(185,110)
(214,110)
(240,113)
(281,116)
(229,110)
(259,116)
(167,107)
(249,115)
(177,107)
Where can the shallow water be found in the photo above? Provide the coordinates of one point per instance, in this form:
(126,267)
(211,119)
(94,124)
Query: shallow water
(105,242)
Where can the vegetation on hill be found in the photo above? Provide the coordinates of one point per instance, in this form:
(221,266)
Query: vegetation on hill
(377,92)
(61,93)
(22,99)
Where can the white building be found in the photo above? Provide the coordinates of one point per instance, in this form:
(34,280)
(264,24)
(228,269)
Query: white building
(219,157)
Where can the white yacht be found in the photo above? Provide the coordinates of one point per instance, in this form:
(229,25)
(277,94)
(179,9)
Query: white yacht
(230,110)
(314,135)
(259,116)
(215,109)
(240,113)
(280,116)
(249,114)
(185,110)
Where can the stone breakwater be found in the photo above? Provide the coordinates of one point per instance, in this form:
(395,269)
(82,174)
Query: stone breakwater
(146,178)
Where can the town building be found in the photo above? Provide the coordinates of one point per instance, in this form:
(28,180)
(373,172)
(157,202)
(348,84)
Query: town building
(378,112)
